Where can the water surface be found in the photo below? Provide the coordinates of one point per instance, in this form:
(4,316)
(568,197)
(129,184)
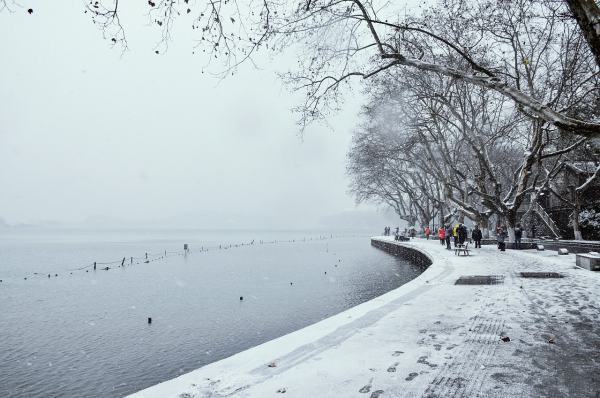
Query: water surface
(85,334)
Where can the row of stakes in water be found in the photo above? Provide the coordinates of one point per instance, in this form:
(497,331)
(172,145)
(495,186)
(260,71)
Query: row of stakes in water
(185,251)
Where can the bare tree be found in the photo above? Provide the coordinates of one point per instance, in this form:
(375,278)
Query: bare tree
(488,158)
(586,172)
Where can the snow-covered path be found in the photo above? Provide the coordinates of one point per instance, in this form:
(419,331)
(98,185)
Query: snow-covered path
(432,338)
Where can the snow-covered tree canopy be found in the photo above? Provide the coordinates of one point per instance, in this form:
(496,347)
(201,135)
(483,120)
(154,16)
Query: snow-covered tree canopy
(448,145)
(505,46)
(511,47)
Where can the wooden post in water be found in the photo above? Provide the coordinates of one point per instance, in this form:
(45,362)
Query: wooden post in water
(123,262)
(94,266)
(146,255)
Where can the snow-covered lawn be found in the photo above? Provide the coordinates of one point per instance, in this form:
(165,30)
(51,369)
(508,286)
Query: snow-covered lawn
(433,338)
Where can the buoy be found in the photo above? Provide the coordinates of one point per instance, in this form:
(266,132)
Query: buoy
(291,283)
(55,274)
(241,298)
(48,275)
(149,320)
(325,272)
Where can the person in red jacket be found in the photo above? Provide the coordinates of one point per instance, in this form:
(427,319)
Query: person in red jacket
(442,235)
(427,232)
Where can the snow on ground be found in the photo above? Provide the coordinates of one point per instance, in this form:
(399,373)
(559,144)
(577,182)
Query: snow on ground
(433,338)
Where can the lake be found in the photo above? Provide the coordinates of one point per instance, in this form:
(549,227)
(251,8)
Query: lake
(85,333)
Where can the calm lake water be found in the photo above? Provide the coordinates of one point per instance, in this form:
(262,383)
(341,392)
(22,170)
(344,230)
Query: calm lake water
(85,334)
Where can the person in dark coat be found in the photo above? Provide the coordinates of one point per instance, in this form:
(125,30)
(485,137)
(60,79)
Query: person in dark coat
(448,236)
(518,236)
(462,234)
(476,235)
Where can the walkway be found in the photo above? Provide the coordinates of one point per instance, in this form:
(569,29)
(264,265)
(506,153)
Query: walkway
(432,338)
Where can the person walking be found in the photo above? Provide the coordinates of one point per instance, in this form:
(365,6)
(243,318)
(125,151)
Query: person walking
(448,235)
(442,235)
(462,234)
(455,234)
(502,238)
(427,232)
(518,236)
(476,235)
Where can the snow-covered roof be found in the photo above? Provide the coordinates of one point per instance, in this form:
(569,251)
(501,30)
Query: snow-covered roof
(582,167)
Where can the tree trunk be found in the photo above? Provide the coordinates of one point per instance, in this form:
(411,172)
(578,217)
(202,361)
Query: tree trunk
(485,228)
(511,221)
(587,14)
(575,221)
(576,197)
(511,233)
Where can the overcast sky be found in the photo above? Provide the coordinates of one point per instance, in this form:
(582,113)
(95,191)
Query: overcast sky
(89,135)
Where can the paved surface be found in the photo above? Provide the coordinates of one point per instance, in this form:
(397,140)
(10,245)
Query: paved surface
(432,338)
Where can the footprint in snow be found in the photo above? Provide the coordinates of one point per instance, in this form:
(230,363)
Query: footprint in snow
(392,368)
(424,361)
(366,388)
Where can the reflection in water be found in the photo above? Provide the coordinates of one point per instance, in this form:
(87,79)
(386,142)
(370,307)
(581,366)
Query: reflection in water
(87,334)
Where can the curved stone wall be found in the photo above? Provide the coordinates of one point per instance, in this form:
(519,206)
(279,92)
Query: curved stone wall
(409,253)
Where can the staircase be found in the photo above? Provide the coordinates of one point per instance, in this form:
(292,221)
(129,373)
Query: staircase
(535,206)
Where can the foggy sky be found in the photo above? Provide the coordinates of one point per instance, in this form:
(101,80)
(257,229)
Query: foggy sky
(88,135)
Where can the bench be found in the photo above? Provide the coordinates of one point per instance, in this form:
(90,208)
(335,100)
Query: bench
(462,249)
(589,261)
